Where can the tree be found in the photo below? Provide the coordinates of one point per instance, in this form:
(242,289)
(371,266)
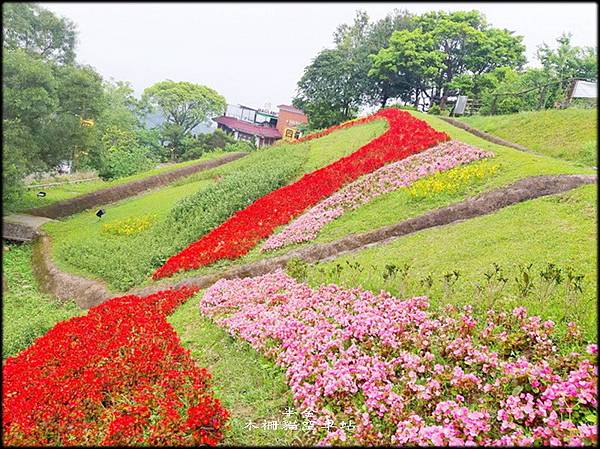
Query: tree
(471,47)
(81,97)
(379,90)
(336,83)
(121,109)
(567,62)
(29,88)
(184,105)
(326,92)
(39,31)
(407,65)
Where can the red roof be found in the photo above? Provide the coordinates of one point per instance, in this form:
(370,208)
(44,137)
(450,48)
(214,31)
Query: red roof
(249,128)
(285,107)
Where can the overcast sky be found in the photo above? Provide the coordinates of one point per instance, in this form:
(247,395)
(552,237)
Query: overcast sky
(255,53)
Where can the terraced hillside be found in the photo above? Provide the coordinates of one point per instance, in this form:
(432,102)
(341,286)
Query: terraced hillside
(478,331)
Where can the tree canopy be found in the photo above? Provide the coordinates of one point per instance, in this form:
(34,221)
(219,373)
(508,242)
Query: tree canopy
(39,31)
(185,105)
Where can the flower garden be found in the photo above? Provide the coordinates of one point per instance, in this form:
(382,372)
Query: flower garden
(407,376)
(240,233)
(369,367)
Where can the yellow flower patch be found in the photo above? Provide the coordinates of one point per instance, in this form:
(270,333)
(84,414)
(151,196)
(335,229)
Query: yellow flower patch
(129,226)
(451,180)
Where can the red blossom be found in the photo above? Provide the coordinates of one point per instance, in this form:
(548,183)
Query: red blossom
(117,376)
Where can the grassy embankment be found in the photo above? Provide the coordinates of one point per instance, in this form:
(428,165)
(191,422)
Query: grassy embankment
(559,229)
(81,246)
(27,313)
(569,134)
(507,166)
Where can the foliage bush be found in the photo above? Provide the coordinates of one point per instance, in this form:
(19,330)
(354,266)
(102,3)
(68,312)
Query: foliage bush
(240,145)
(197,214)
(195,146)
(125,162)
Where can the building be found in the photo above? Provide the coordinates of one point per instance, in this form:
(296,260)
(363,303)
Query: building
(261,126)
(290,117)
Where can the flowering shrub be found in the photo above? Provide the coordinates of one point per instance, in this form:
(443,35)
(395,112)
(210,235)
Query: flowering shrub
(129,226)
(388,178)
(450,181)
(240,233)
(408,376)
(117,376)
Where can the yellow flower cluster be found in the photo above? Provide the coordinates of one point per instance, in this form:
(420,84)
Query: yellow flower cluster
(129,226)
(451,180)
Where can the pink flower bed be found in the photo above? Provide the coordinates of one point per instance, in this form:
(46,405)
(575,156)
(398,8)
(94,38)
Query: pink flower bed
(407,376)
(391,177)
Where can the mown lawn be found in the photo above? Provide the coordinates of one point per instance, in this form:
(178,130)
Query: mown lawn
(80,245)
(509,165)
(68,191)
(27,313)
(569,134)
(251,387)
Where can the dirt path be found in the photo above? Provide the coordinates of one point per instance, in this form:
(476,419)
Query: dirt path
(88,293)
(486,136)
(122,191)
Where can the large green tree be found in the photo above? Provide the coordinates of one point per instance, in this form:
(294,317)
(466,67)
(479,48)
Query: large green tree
(325,91)
(567,61)
(39,31)
(336,84)
(184,106)
(407,66)
(471,47)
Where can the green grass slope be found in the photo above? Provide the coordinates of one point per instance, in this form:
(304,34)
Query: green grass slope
(508,165)
(558,229)
(27,313)
(80,245)
(569,134)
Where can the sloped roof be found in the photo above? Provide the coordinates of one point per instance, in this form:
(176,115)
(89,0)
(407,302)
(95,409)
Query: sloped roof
(288,108)
(249,128)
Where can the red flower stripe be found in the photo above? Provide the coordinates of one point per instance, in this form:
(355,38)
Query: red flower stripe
(349,123)
(117,376)
(241,232)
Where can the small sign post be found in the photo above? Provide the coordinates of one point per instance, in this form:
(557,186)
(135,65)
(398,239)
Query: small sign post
(461,104)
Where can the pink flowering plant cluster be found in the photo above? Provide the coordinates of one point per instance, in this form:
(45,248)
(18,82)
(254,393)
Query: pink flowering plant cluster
(391,177)
(406,375)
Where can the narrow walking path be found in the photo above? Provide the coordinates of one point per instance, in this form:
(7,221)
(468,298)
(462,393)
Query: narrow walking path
(88,293)
(22,227)
(487,136)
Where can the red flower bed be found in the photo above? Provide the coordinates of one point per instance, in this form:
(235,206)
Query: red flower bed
(240,233)
(117,376)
